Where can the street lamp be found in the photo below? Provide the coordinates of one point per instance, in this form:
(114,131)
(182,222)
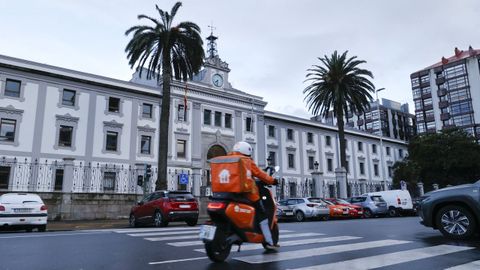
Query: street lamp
(381,139)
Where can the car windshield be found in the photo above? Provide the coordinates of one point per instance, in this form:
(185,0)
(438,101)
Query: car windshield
(180,196)
(17,199)
(342,201)
(328,202)
(377,198)
(358,199)
(315,200)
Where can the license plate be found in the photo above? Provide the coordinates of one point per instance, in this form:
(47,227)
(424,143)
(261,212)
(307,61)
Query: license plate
(345,212)
(207,232)
(184,206)
(22,210)
(289,214)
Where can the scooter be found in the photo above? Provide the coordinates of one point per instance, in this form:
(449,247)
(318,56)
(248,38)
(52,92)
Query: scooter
(233,222)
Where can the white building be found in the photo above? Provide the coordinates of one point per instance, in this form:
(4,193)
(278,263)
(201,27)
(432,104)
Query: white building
(69,131)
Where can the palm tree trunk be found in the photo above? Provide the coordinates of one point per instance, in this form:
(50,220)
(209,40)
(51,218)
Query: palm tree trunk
(161,183)
(341,137)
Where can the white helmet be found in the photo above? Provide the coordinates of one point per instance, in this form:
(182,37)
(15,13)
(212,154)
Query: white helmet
(243,148)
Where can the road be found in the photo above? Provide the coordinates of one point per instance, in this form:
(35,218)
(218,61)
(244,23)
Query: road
(386,243)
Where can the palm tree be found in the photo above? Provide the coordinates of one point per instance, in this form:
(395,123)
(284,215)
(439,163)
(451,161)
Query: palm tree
(161,49)
(338,84)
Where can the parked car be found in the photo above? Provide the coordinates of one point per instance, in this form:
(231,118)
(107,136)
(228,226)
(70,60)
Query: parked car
(23,211)
(454,211)
(161,207)
(302,208)
(355,211)
(373,205)
(399,202)
(337,210)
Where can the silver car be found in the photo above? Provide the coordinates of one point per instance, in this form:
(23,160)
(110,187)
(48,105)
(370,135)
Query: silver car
(373,205)
(302,208)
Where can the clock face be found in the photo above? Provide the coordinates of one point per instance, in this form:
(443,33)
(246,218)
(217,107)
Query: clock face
(217,80)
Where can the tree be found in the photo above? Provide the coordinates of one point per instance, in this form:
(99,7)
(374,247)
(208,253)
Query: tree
(451,157)
(338,84)
(172,51)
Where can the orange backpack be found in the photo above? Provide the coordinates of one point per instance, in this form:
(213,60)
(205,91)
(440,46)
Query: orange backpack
(231,174)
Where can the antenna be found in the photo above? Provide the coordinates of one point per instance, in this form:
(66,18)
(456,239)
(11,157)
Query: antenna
(212,44)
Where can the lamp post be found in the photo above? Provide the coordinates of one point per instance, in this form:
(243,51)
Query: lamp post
(382,175)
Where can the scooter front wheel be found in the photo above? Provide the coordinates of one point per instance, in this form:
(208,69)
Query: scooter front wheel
(218,249)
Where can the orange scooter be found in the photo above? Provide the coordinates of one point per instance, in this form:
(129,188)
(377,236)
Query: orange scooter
(233,221)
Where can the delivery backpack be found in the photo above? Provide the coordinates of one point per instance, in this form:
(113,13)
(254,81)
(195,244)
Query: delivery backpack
(231,174)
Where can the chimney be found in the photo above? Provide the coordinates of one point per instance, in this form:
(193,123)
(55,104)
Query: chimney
(444,60)
(458,52)
(471,51)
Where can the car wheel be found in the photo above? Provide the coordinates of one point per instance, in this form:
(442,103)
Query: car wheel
(299,216)
(42,228)
(29,229)
(159,220)
(456,222)
(392,212)
(367,213)
(192,222)
(325,218)
(132,221)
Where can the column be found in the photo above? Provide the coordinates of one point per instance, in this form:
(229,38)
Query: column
(196,135)
(318,184)
(363,186)
(420,188)
(238,126)
(261,143)
(341,178)
(197,180)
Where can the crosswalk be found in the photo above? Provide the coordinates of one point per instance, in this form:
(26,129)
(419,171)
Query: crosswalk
(296,245)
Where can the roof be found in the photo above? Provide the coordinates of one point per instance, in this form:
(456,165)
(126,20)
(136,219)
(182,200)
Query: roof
(458,55)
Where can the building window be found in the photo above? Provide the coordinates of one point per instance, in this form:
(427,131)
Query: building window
(390,171)
(362,168)
(328,140)
(388,151)
(248,124)
(218,119)
(7,130)
(109,181)
(145,144)
(68,97)
(374,148)
(291,161)
(181,148)
(400,152)
(207,117)
(347,166)
(181,113)
(112,141)
(12,88)
(271,156)
(290,134)
(311,160)
(360,146)
(113,104)
(309,137)
(375,169)
(147,110)
(58,179)
(330,164)
(65,136)
(271,131)
(4,176)
(228,120)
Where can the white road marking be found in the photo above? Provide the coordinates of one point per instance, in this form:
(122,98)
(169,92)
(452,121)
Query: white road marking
(304,253)
(193,236)
(186,243)
(389,258)
(48,235)
(156,229)
(475,265)
(180,260)
(161,233)
(297,242)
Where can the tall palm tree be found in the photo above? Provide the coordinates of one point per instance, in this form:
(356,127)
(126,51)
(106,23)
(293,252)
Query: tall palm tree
(338,84)
(162,48)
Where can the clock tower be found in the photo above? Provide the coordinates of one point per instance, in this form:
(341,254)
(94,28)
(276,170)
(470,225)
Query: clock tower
(216,71)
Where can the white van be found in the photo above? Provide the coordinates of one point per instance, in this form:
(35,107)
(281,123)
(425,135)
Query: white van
(398,201)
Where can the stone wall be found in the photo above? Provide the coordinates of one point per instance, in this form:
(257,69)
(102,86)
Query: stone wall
(88,206)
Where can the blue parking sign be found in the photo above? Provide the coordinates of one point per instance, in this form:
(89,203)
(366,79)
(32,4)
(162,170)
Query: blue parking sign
(183,179)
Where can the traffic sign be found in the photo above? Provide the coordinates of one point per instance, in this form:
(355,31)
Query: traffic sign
(183,179)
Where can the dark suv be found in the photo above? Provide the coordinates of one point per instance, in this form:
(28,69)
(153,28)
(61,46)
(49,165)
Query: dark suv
(161,207)
(455,211)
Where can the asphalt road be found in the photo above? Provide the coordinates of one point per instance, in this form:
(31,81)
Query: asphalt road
(386,243)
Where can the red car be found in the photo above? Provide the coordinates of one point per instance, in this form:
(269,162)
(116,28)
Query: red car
(355,211)
(161,207)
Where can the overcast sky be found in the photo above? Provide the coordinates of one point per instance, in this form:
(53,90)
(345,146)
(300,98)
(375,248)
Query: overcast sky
(269,45)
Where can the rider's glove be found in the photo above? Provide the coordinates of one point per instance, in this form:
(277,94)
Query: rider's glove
(276,181)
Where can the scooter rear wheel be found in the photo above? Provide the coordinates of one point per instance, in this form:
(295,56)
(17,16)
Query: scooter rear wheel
(218,249)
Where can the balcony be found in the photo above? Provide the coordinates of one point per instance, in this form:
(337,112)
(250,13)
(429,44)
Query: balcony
(360,122)
(429,118)
(440,80)
(438,70)
(444,116)
(441,92)
(443,104)
(428,107)
(427,95)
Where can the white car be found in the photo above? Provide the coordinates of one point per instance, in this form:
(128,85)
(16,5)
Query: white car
(23,210)
(398,201)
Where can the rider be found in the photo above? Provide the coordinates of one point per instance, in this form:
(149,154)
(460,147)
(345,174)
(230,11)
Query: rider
(244,149)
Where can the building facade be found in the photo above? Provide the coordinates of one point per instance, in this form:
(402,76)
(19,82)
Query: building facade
(447,94)
(72,132)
